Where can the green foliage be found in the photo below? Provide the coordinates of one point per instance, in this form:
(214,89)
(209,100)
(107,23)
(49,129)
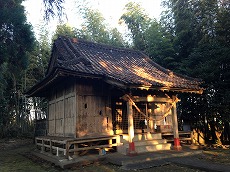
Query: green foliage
(36,71)
(200,32)
(193,38)
(63,30)
(184,29)
(95,29)
(149,36)
(16,39)
(137,22)
(159,46)
(223,23)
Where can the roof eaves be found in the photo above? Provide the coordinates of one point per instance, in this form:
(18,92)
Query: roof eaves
(173,89)
(167,71)
(115,82)
(42,84)
(53,75)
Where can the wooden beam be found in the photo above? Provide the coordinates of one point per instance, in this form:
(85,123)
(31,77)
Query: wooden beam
(93,147)
(115,83)
(150,98)
(167,89)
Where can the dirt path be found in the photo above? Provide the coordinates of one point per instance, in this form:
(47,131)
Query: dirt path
(15,155)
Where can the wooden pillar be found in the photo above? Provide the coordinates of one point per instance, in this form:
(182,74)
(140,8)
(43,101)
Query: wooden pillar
(152,120)
(177,145)
(43,146)
(110,143)
(130,127)
(63,121)
(76,110)
(51,149)
(75,148)
(67,145)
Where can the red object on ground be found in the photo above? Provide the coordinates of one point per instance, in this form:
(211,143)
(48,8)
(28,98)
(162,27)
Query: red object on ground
(177,145)
(131,146)
(131,150)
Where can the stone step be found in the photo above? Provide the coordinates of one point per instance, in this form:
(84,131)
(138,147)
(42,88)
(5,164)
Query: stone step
(150,142)
(145,146)
(139,137)
(152,148)
(146,142)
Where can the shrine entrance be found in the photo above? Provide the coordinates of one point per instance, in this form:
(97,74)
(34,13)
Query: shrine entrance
(150,114)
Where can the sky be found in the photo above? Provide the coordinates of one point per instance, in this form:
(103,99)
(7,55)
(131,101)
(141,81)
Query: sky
(110,9)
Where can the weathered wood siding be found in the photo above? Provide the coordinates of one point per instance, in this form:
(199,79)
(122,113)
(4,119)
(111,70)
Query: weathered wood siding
(80,108)
(62,111)
(94,115)
(51,114)
(70,112)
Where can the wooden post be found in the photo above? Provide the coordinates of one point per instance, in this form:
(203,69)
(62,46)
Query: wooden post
(110,143)
(63,121)
(57,153)
(75,148)
(51,149)
(43,146)
(130,128)
(76,110)
(67,149)
(151,121)
(177,145)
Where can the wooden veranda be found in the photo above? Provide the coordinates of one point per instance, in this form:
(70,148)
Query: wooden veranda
(67,146)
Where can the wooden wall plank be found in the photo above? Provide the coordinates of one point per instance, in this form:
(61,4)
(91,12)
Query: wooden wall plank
(80,109)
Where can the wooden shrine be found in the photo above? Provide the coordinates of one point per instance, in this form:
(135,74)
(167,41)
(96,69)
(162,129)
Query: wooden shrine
(102,96)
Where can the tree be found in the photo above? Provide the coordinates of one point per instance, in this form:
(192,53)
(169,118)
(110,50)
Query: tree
(149,36)
(95,29)
(36,107)
(35,72)
(159,45)
(201,37)
(223,23)
(183,29)
(137,22)
(63,30)
(53,8)
(16,39)
(38,58)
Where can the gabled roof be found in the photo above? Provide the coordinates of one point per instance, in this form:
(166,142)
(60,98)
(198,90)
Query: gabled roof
(122,67)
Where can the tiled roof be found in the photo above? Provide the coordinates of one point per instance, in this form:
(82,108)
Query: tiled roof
(119,66)
(127,66)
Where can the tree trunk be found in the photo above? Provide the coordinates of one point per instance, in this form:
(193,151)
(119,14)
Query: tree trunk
(213,131)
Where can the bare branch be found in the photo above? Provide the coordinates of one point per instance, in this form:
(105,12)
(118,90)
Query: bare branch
(53,8)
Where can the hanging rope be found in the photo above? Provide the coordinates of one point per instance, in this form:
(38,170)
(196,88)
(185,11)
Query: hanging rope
(127,97)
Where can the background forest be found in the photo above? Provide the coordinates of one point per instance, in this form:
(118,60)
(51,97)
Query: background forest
(191,38)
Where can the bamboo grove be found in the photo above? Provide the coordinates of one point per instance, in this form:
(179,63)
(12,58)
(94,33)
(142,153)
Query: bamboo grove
(191,38)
